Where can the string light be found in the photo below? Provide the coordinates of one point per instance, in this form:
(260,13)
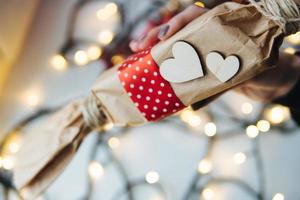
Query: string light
(81,57)
(194,121)
(186,114)
(210,129)
(277,114)
(117,59)
(13,147)
(12,143)
(208,193)
(105,13)
(33,98)
(263,125)
(239,158)
(252,131)
(294,38)
(7,162)
(191,118)
(112,8)
(247,108)
(58,62)
(95,170)
(278,196)
(94,52)
(204,166)
(152,177)
(290,50)
(113,142)
(105,37)
(108,126)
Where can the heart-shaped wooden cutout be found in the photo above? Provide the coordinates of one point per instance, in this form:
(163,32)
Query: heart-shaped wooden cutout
(185,65)
(223,69)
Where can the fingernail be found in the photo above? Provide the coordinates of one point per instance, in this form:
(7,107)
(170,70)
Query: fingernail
(163,31)
(142,38)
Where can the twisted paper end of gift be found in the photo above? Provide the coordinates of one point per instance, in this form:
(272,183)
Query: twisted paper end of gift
(284,11)
(93,113)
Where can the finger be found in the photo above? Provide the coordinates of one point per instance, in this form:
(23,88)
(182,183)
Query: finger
(180,20)
(134,44)
(166,30)
(148,40)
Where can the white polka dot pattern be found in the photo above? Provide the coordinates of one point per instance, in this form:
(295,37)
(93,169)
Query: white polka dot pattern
(150,92)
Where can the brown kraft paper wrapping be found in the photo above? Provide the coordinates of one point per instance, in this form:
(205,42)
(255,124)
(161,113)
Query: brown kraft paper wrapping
(231,29)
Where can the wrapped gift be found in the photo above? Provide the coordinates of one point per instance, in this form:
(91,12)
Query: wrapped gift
(219,50)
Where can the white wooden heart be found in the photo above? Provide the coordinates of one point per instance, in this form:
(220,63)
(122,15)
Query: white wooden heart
(223,69)
(185,65)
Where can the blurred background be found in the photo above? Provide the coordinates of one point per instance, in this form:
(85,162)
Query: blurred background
(51,52)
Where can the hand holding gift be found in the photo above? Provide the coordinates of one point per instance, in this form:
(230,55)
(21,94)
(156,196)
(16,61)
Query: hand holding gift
(216,51)
(267,86)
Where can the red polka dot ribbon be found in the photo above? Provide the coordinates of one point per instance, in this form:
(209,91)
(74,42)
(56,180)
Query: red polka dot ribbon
(151,93)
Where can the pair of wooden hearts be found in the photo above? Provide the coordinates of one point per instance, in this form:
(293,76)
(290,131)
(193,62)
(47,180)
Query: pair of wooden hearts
(186,65)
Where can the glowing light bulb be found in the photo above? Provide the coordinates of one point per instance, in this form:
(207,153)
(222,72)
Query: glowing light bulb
(13,147)
(81,57)
(186,114)
(111,8)
(278,196)
(102,15)
(12,144)
(277,114)
(94,52)
(113,142)
(58,62)
(191,118)
(33,98)
(152,177)
(117,59)
(204,166)
(252,131)
(108,126)
(239,158)
(95,170)
(210,129)
(294,39)
(194,121)
(290,50)
(7,162)
(108,11)
(263,125)
(105,37)
(208,193)
(247,108)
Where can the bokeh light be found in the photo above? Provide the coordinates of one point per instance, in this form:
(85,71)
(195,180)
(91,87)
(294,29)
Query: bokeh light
(58,62)
(252,131)
(152,177)
(95,170)
(204,166)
